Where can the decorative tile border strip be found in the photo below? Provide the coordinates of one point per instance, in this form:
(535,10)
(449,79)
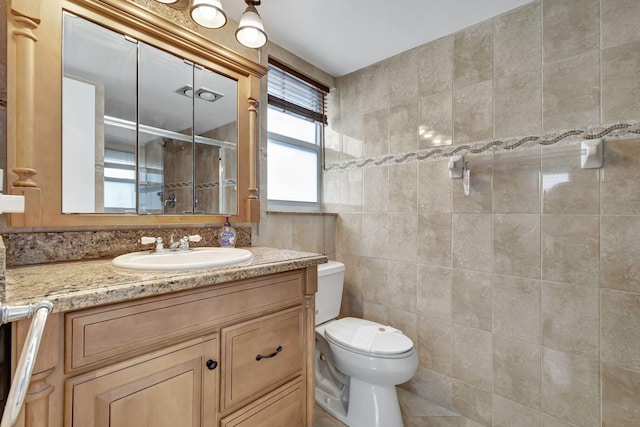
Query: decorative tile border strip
(626,129)
(207,185)
(172,185)
(187,184)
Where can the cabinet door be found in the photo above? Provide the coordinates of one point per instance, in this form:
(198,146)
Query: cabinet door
(174,388)
(282,408)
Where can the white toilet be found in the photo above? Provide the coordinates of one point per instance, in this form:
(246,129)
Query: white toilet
(358,362)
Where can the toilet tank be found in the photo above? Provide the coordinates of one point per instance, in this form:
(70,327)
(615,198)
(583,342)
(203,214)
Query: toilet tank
(329,295)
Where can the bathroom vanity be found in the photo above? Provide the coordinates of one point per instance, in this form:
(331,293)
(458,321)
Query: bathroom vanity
(230,346)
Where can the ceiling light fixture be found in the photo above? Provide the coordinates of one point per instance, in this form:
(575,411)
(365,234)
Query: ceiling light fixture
(186,91)
(202,93)
(209,14)
(250,32)
(208,95)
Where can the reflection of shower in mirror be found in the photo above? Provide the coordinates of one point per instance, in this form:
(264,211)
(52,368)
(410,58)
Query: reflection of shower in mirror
(170,201)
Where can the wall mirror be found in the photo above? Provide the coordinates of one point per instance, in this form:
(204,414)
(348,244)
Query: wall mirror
(143,131)
(118,115)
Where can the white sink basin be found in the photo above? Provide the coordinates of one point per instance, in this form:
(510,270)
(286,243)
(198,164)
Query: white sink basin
(188,260)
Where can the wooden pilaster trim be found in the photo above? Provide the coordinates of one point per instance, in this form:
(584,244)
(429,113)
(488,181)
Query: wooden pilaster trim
(37,406)
(253,148)
(25,15)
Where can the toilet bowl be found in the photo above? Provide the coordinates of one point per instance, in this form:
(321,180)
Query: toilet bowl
(358,362)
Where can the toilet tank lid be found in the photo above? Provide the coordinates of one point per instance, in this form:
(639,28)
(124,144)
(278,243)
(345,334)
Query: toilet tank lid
(330,267)
(368,337)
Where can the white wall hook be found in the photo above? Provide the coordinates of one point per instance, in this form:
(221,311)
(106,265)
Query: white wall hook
(456,165)
(591,154)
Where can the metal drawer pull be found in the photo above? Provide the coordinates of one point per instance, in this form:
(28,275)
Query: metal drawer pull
(211,364)
(275,353)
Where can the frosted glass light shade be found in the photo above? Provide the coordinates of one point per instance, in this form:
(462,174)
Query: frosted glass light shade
(208,13)
(250,32)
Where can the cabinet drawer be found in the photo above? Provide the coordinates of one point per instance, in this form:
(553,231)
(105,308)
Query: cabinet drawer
(282,408)
(260,355)
(96,335)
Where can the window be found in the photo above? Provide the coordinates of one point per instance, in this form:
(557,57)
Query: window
(295,131)
(119,181)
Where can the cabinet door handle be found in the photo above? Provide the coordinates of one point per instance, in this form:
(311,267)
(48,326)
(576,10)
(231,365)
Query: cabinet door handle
(275,353)
(211,364)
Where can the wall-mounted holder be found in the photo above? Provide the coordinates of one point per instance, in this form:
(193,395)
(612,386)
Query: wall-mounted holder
(591,154)
(9,203)
(456,166)
(591,157)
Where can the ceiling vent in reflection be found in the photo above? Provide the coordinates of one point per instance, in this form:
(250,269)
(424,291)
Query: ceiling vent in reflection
(202,93)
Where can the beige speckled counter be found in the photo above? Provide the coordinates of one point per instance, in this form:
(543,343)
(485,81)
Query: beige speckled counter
(82,284)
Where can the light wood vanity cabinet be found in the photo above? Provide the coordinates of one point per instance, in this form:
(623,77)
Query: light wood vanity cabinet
(237,354)
(110,333)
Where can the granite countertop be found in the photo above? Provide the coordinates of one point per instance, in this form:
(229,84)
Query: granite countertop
(81,284)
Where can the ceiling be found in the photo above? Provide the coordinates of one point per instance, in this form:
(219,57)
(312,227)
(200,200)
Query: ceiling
(342,36)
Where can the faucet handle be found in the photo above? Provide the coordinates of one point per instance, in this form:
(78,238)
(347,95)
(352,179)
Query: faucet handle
(195,238)
(148,240)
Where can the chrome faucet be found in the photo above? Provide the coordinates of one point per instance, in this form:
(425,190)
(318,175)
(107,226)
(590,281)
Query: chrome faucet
(184,242)
(179,245)
(173,244)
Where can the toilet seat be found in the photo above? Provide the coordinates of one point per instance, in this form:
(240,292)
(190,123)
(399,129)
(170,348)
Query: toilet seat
(368,338)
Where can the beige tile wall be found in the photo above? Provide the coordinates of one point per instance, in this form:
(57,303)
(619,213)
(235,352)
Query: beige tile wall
(523,298)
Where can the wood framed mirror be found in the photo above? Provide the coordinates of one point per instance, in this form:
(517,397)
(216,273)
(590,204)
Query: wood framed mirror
(65,183)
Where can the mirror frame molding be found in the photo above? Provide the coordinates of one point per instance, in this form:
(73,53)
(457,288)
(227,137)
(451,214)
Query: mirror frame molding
(34,123)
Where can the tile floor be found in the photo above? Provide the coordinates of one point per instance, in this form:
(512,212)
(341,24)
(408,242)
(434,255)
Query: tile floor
(416,412)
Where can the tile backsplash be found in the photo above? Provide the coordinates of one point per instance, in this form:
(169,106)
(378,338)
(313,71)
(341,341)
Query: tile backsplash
(42,247)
